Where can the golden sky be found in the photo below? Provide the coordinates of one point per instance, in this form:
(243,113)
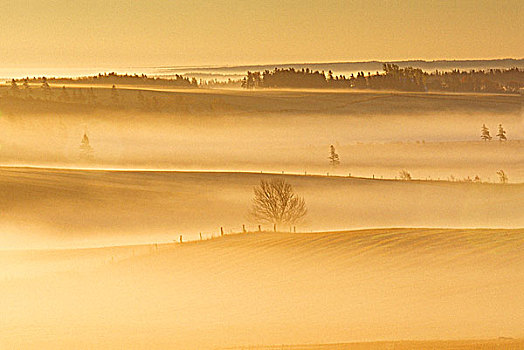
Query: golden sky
(119,33)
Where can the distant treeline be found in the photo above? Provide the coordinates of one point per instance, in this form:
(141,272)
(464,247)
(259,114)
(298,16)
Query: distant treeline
(26,97)
(392,78)
(117,79)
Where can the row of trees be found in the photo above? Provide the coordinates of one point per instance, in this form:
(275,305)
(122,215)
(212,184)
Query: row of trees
(88,96)
(25,90)
(392,78)
(485,135)
(116,79)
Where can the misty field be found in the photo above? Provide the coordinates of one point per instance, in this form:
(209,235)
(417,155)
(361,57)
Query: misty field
(262,175)
(68,208)
(309,288)
(433,136)
(99,184)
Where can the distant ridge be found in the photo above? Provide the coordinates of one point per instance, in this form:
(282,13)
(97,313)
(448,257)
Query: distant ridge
(365,66)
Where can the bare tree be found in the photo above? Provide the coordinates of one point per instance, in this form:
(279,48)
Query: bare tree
(405,175)
(503,178)
(275,201)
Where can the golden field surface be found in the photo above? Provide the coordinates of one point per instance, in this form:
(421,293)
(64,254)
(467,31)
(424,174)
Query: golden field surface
(269,288)
(502,343)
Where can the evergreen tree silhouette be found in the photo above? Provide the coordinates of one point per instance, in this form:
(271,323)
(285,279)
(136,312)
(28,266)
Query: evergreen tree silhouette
(86,151)
(485,133)
(334,159)
(501,134)
(114,95)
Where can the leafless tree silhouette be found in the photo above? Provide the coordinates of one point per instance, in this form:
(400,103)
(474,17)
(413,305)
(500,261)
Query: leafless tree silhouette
(405,175)
(503,178)
(275,201)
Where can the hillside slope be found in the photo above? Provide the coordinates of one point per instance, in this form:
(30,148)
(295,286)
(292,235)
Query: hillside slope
(310,288)
(86,208)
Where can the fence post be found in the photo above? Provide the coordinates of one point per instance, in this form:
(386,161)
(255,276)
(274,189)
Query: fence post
(221,231)
(294,229)
(180,238)
(243,228)
(275,227)
(200,235)
(259,228)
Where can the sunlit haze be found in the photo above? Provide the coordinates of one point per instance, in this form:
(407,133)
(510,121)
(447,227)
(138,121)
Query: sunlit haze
(121,33)
(263,175)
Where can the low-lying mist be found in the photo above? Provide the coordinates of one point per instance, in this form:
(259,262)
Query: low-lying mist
(45,208)
(118,209)
(376,135)
(429,146)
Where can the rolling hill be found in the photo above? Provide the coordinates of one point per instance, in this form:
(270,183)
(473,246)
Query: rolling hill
(310,288)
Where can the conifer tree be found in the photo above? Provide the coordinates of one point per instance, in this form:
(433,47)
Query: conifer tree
(46,88)
(45,84)
(334,159)
(485,133)
(64,96)
(86,151)
(14,86)
(502,134)
(114,95)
